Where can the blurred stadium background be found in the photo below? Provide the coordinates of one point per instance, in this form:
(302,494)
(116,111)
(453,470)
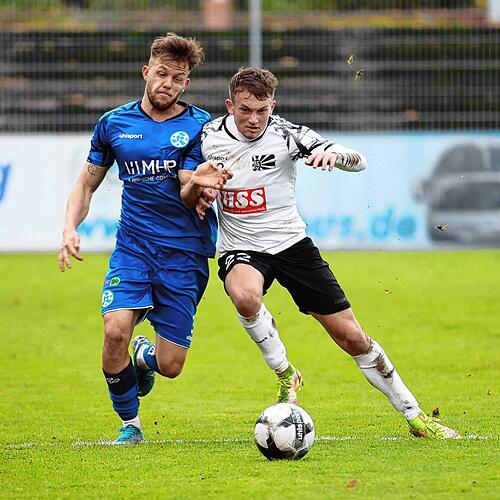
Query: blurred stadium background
(409,82)
(420,98)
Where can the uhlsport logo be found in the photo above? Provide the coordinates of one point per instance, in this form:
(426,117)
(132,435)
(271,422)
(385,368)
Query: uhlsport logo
(107,298)
(263,162)
(179,139)
(220,158)
(130,136)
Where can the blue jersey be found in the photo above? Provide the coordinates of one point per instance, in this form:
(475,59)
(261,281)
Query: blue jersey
(149,155)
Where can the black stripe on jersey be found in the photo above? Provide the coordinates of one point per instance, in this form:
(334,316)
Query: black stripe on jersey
(211,127)
(305,151)
(285,128)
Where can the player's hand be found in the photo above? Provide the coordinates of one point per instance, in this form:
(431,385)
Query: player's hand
(324,160)
(207,197)
(70,247)
(210,175)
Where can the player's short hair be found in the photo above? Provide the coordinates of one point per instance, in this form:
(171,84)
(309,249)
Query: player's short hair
(178,48)
(259,82)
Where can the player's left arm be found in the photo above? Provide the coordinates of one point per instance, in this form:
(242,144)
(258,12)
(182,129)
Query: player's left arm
(338,156)
(304,142)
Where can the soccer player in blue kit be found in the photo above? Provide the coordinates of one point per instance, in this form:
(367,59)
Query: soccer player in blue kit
(159,266)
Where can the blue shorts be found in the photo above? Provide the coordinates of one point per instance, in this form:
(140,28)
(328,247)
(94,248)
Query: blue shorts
(165,282)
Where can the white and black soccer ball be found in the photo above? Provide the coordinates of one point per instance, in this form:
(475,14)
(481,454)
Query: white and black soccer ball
(284,431)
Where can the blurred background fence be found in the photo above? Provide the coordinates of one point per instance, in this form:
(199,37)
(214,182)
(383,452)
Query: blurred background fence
(343,65)
(413,84)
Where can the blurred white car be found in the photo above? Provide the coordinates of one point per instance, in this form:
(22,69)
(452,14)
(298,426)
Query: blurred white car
(463,195)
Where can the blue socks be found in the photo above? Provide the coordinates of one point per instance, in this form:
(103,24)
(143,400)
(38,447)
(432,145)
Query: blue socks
(149,358)
(123,391)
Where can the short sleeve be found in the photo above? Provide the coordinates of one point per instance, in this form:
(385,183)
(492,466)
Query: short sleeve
(101,153)
(192,156)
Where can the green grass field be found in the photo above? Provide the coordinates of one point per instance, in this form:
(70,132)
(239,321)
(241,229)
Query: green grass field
(436,314)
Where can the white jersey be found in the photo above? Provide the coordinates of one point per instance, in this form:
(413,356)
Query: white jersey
(257,207)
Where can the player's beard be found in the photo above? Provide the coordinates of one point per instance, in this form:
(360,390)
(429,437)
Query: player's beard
(160,104)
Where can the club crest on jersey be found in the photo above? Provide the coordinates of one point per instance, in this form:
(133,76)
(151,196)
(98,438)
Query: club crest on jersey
(179,139)
(263,162)
(243,201)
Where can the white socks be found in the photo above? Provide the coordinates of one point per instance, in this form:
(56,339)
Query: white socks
(380,372)
(134,421)
(264,333)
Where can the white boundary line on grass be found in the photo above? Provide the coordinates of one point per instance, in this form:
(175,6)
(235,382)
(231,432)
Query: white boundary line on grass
(101,442)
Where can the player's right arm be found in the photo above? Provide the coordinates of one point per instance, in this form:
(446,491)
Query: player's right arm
(77,209)
(207,197)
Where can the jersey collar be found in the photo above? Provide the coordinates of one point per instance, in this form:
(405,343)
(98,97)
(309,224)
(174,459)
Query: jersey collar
(182,103)
(233,132)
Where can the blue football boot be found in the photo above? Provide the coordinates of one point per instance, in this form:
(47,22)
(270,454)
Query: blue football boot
(129,434)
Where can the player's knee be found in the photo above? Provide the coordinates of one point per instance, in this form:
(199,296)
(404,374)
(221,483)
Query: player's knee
(349,335)
(116,335)
(170,368)
(355,341)
(247,302)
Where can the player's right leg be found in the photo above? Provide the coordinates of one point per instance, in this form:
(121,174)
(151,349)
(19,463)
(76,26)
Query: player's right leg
(120,374)
(126,299)
(244,285)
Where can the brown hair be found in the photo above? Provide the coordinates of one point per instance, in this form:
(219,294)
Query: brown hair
(179,49)
(259,82)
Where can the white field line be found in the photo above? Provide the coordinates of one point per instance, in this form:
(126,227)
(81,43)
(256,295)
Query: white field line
(102,442)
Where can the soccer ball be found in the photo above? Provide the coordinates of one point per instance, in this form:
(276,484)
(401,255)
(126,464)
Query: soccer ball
(284,431)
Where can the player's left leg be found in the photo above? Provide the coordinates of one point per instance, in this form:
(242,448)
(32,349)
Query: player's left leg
(346,332)
(316,291)
(179,282)
(162,357)
(378,369)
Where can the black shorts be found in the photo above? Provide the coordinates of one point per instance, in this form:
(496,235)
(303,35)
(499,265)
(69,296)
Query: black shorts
(300,269)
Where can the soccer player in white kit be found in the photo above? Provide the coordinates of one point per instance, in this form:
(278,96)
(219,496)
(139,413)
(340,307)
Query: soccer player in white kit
(262,238)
